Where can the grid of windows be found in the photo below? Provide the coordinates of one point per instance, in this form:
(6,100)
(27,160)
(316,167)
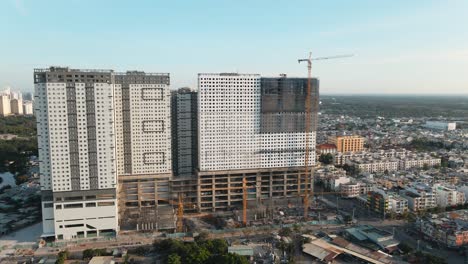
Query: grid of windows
(229,110)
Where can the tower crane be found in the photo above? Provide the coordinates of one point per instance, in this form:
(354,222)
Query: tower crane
(181,204)
(308,116)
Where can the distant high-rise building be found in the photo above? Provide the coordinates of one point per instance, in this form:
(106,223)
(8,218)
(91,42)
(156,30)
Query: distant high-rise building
(347,143)
(28,97)
(16,106)
(28,108)
(254,128)
(5,108)
(184,131)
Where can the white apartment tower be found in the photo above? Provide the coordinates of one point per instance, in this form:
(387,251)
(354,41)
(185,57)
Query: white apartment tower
(5,108)
(250,122)
(144,159)
(254,128)
(27,108)
(16,106)
(98,131)
(76,139)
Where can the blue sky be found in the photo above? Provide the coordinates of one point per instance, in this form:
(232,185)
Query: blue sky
(401,46)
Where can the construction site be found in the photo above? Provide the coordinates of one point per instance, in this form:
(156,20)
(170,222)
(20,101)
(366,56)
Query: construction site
(240,195)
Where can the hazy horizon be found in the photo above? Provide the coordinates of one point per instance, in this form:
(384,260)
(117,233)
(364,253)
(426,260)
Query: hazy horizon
(400,47)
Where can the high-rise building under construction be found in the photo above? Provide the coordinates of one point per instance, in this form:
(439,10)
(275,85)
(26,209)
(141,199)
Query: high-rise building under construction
(254,128)
(116,154)
(104,149)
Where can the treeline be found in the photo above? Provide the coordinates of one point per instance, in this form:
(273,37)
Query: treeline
(22,126)
(15,153)
(421,144)
(213,251)
(395,106)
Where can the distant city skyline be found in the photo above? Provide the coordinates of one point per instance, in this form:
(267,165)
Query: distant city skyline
(400,47)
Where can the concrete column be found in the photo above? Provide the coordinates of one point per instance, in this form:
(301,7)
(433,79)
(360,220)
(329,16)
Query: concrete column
(229,190)
(271,185)
(213,193)
(285,187)
(198,193)
(258,189)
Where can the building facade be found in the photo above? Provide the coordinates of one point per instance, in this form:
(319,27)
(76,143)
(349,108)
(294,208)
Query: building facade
(76,142)
(101,135)
(16,106)
(448,196)
(28,108)
(249,125)
(326,149)
(143,148)
(184,131)
(350,190)
(5,108)
(347,143)
(441,125)
(419,197)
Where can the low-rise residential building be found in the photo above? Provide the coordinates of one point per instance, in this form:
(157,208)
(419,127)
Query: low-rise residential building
(441,125)
(374,165)
(334,183)
(420,197)
(326,149)
(347,143)
(449,228)
(447,196)
(384,203)
(350,190)
(418,162)
(399,205)
(390,160)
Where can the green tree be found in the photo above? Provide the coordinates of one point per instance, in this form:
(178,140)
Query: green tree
(326,158)
(351,170)
(61,257)
(20,179)
(174,259)
(405,248)
(285,231)
(202,236)
(216,246)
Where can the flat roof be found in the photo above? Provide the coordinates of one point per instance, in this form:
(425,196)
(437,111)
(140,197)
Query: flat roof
(241,250)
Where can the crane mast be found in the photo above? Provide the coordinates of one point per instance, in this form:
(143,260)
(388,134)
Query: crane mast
(308,117)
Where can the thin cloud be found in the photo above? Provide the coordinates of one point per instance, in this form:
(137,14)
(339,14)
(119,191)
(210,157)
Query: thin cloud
(20,7)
